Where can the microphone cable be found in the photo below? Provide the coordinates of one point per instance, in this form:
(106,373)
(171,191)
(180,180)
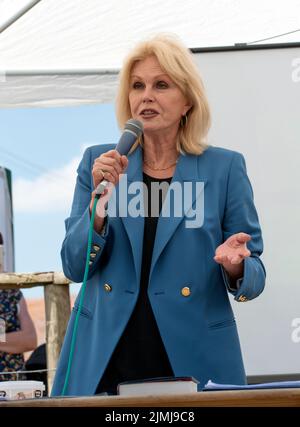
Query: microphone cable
(86,272)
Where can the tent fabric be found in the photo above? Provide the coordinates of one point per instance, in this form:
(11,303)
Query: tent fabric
(57,90)
(65,52)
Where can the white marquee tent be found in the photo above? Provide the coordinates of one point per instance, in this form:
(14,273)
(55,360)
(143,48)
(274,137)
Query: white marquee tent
(68,52)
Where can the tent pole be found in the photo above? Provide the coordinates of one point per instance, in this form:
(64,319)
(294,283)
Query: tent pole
(51,72)
(18,15)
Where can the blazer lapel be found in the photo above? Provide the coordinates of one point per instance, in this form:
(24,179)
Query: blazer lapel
(134,226)
(185,176)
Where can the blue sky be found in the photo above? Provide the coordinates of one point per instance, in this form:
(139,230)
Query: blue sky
(42,147)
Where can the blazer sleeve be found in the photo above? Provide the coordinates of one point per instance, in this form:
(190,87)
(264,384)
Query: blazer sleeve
(241,216)
(74,246)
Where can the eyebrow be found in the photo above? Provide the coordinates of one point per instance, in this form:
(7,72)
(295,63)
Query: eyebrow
(155,77)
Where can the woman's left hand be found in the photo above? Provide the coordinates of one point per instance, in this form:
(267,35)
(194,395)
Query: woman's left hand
(232,253)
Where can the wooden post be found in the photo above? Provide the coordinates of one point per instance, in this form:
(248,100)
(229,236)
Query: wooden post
(57,306)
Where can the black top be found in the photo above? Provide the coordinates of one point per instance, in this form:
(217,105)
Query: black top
(140,352)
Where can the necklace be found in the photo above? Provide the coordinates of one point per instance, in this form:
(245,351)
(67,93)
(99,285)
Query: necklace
(159,169)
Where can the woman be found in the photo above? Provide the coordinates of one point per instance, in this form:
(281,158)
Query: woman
(156,302)
(20,334)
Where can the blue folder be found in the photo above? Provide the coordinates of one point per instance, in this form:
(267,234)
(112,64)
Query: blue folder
(211,386)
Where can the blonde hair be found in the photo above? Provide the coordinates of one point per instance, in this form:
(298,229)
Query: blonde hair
(177,61)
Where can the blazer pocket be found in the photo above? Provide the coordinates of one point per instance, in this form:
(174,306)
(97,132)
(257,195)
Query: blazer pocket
(85,312)
(222,323)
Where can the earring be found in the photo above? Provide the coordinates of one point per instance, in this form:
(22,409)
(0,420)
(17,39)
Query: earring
(183,120)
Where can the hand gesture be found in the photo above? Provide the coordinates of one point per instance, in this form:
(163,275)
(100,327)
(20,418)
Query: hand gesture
(233,251)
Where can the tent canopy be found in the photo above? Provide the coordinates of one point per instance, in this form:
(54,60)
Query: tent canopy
(68,52)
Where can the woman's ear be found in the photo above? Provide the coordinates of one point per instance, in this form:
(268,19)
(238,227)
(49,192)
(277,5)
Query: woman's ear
(186,109)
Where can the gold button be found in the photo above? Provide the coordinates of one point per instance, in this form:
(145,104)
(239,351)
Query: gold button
(242,298)
(96,248)
(107,287)
(186,291)
(93,255)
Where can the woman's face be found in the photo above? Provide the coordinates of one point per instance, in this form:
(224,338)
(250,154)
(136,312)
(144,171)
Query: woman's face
(154,98)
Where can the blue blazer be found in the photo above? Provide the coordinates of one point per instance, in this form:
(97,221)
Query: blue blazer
(197,327)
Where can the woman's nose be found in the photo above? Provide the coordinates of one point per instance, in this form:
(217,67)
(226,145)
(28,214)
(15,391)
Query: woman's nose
(148,95)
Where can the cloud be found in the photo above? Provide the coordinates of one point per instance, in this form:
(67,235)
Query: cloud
(50,192)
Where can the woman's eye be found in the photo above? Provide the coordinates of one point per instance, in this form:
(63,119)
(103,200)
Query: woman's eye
(137,85)
(162,85)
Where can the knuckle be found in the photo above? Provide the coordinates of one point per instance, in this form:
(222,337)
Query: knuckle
(115,154)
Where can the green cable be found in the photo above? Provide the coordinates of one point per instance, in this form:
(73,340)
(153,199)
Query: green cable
(74,334)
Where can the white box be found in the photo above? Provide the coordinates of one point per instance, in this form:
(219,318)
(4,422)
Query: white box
(17,390)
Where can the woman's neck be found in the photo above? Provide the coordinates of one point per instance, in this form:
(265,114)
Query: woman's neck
(160,156)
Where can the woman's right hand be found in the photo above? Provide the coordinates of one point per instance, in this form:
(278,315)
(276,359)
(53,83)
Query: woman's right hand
(109,166)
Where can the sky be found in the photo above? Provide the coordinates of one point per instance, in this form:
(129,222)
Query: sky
(43,147)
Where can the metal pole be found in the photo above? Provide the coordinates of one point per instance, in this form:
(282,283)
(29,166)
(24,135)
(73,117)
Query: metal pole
(1,254)
(17,15)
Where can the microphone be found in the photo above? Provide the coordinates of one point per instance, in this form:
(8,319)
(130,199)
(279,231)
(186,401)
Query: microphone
(132,130)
